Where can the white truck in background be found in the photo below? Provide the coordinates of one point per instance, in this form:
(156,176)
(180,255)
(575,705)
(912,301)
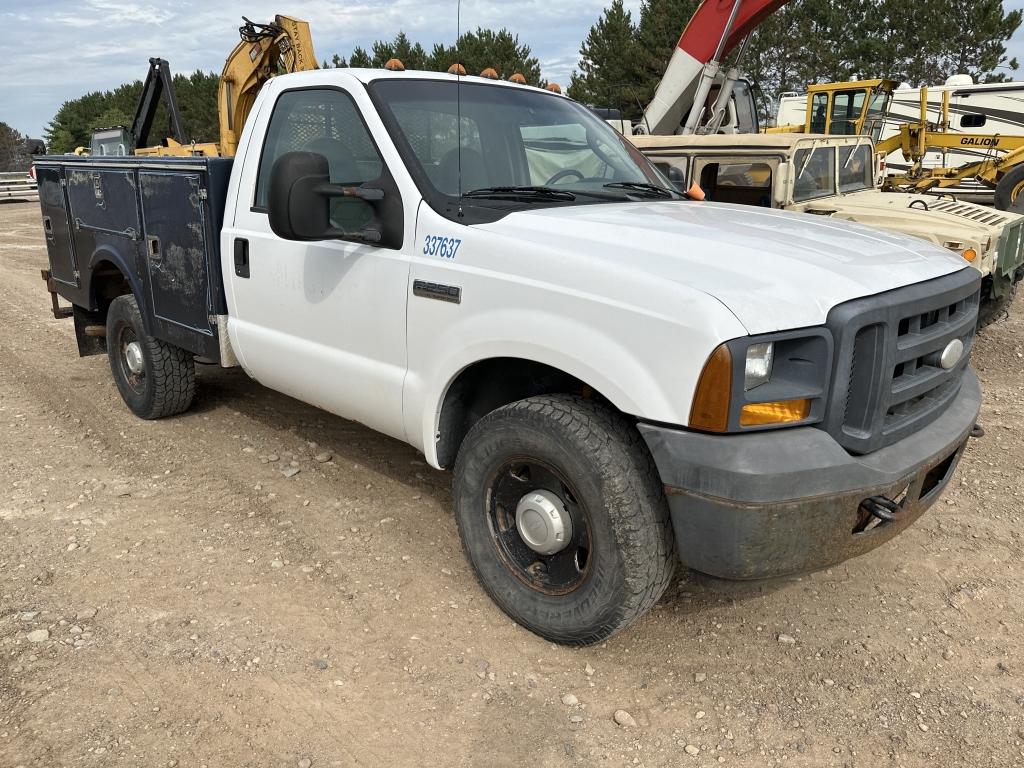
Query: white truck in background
(617,376)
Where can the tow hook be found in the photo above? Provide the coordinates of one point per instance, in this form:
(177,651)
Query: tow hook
(977,431)
(881,507)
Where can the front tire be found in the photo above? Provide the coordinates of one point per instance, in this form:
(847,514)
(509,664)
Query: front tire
(1009,194)
(155,379)
(607,552)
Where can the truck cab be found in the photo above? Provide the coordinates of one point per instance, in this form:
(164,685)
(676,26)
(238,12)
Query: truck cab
(839,177)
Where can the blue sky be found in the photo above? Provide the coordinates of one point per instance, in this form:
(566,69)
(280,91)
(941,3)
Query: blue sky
(54,50)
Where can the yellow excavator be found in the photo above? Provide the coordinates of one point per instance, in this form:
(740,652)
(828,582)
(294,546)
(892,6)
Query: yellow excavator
(862,107)
(264,51)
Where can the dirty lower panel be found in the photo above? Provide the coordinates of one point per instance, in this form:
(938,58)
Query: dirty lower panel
(176,248)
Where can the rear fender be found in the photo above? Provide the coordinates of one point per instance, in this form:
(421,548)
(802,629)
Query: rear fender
(109,255)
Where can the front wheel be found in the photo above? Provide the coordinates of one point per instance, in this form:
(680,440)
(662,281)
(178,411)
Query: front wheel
(1009,194)
(155,379)
(563,517)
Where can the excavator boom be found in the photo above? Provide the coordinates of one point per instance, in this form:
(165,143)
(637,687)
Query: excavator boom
(284,45)
(716,28)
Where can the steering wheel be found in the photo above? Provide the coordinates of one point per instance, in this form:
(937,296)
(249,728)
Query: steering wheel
(565,172)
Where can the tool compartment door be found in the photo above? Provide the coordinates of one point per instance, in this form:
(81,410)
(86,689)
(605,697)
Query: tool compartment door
(176,248)
(57,227)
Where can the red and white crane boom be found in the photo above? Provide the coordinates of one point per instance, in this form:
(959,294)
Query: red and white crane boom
(714,31)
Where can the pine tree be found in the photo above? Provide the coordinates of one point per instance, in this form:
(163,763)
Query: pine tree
(661,24)
(486,48)
(412,55)
(360,58)
(13,153)
(970,38)
(608,75)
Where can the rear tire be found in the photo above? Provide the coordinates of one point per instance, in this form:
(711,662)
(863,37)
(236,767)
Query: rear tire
(592,464)
(155,379)
(1009,194)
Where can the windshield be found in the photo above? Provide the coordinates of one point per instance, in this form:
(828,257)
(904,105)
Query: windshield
(877,112)
(491,139)
(815,172)
(856,168)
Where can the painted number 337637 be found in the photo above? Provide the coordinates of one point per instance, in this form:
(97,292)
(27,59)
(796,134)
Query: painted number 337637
(445,247)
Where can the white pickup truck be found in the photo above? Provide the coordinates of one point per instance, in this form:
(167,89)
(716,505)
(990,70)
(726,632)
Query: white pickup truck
(618,377)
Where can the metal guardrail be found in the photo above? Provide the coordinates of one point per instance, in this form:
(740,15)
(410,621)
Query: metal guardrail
(18,186)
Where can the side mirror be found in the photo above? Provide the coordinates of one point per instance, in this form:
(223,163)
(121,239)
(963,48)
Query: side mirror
(300,196)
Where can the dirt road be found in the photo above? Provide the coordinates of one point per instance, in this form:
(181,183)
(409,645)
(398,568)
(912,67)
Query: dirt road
(168,597)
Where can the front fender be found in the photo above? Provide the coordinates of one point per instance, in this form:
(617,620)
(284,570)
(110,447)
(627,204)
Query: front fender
(650,373)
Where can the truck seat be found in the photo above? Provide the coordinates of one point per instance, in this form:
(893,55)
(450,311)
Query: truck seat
(474,172)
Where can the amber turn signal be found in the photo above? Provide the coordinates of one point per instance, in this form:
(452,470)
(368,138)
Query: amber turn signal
(970,254)
(779,412)
(710,409)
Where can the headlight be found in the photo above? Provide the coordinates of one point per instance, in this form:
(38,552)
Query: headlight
(783,381)
(759,365)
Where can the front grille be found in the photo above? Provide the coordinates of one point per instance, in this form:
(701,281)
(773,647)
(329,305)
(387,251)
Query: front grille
(887,382)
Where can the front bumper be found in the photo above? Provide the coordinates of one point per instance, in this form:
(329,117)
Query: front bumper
(787,501)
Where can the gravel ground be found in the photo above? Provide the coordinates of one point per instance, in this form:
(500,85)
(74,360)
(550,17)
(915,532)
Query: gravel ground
(169,597)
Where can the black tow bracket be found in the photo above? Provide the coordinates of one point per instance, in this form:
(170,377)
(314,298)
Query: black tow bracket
(881,507)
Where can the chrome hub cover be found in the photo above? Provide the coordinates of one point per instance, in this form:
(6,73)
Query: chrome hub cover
(543,522)
(133,356)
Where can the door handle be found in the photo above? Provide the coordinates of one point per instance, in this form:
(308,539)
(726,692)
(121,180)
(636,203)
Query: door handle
(154,249)
(241,257)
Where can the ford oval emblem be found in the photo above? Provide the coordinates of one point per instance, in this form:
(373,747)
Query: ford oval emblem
(951,354)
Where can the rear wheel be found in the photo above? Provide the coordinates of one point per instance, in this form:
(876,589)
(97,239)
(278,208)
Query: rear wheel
(155,379)
(563,517)
(1009,195)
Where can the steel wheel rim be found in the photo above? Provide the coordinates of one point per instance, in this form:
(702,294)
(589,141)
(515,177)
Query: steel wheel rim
(556,574)
(136,380)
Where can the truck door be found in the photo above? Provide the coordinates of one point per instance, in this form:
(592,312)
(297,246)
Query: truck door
(57,226)
(175,226)
(322,321)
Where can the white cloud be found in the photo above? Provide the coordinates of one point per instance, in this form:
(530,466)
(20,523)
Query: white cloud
(79,46)
(61,49)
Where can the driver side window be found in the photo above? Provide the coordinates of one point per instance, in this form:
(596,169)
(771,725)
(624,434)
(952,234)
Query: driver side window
(327,122)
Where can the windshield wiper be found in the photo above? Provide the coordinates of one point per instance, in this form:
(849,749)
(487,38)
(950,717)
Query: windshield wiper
(522,193)
(638,186)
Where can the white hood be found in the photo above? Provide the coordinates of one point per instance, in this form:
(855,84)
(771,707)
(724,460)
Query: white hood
(774,270)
